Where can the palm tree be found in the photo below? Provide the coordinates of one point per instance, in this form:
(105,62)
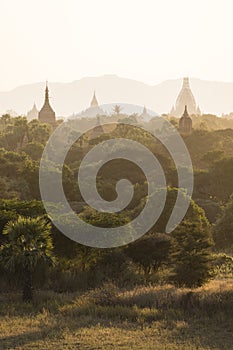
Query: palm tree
(117,109)
(29,243)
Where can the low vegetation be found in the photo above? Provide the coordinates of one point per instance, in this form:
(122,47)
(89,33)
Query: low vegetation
(162,317)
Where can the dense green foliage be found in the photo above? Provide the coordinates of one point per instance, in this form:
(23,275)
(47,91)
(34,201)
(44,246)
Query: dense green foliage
(184,257)
(223,230)
(191,254)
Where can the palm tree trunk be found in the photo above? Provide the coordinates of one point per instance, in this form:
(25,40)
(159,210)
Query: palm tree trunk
(27,284)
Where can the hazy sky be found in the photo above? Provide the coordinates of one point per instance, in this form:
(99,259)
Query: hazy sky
(148,40)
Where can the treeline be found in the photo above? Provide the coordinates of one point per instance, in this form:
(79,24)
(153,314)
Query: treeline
(184,257)
(34,253)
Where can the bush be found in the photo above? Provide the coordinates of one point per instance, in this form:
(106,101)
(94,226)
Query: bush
(105,295)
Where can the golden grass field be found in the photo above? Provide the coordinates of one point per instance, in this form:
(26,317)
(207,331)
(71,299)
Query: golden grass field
(163,318)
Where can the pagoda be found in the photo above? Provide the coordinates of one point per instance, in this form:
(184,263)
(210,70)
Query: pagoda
(185,98)
(94,102)
(47,114)
(33,113)
(185,123)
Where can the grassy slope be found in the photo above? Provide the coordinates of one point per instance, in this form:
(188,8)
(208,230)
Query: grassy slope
(144,318)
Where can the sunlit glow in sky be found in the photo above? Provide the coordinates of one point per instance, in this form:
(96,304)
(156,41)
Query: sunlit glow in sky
(149,40)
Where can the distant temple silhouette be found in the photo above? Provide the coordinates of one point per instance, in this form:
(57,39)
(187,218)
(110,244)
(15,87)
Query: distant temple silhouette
(145,115)
(185,98)
(33,113)
(92,111)
(184,107)
(47,114)
(185,123)
(94,102)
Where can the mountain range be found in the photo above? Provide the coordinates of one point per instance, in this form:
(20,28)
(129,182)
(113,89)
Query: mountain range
(72,97)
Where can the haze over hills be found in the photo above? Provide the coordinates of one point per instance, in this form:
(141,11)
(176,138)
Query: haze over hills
(68,98)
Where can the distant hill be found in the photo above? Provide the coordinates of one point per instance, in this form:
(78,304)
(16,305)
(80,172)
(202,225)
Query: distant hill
(68,98)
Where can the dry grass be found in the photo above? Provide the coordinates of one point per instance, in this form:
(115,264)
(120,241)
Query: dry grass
(160,318)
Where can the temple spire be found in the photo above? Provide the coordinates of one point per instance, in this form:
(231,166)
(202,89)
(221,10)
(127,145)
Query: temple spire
(185,114)
(185,123)
(94,102)
(186,83)
(46,92)
(33,113)
(185,98)
(47,114)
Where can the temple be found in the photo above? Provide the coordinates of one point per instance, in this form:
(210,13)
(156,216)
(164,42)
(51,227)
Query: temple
(94,102)
(185,98)
(92,111)
(185,123)
(47,114)
(33,113)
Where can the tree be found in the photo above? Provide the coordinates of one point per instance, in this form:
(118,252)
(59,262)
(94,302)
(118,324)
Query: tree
(5,119)
(108,221)
(29,243)
(15,132)
(34,150)
(117,109)
(150,252)
(195,214)
(221,178)
(39,132)
(20,130)
(191,254)
(213,156)
(223,230)
(174,121)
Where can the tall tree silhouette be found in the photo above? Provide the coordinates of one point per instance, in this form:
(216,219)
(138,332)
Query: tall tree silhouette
(29,243)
